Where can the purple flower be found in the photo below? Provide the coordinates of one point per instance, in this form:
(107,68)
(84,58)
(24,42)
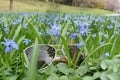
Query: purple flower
(76,22)
(116,32)
(106,54)
(101,43)
(9,45)
(6,30)
(55,30)
(84,29)
(55,41)
(19,21)
(27,41)
(49,24)
(48,33)
(110,27)
(79,45)
(0,21)
(73,36)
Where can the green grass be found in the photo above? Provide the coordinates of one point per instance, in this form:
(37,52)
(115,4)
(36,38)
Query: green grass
(39,6)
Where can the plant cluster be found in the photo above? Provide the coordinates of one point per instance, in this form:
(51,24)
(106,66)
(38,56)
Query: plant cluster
(98,36)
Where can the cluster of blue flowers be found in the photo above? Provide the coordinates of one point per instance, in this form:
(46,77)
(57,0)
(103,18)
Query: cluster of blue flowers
(50,25)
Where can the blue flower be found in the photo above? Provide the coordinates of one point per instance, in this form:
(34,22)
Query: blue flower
(55,41)
(116,32)
(106,36)
(9,45)
(27,41)
(79,45)
(55,30)
(0,21)
(6,30)
(110,27)
(76,23)
(101,43)
(19,21)
(93,35)
(73,36)
(106,54)
(48,33)
(25,25)
(84,29)
(49,24)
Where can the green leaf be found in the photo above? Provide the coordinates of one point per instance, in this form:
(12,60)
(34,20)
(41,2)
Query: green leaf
(64,78)
(14,77)
(82,70)
(75,77)
(63,68)
(87,78)
(35,33)
(33,63)
(116,65)
(97,50)
(96,75)
(103,65)
(53,77)
(103,76)
(50,70)
(114,76)
(17,31)
(116,56)
(67,51)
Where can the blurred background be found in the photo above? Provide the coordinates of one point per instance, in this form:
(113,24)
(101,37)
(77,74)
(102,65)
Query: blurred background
(70,6)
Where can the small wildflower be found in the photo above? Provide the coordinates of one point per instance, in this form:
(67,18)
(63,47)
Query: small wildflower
(19,21)
(110,27)
(27,41)
(79,45)
(6,30)
(55,41)
(116,32)
(47,33)
(101,43)
(73,36)
(106,54)
(93,35)
(106,36)
(25,25)
(9,45)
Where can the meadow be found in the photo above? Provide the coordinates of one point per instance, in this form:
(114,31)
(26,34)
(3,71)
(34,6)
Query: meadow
(98,36)
(40,6)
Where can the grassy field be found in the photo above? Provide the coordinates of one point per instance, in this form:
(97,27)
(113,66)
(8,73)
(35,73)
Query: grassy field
(39,6)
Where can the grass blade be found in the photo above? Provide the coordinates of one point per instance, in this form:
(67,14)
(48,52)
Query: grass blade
(33,62)
(67,51)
